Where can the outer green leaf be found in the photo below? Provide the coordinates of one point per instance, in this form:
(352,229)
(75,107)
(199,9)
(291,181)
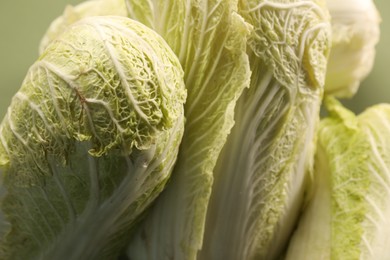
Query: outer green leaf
(348,216)
(259,179)
(210,41)
(89,140)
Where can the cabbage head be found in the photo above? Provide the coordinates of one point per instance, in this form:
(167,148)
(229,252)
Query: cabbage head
(89,140)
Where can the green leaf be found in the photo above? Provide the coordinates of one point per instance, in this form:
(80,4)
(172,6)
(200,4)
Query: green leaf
(260,175)
(209,38)
(348,215)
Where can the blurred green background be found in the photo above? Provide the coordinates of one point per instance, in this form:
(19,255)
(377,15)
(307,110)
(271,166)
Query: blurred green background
(22,24)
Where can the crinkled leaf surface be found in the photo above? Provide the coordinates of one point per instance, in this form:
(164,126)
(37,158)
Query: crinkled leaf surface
(89,140)
(209,38)
(259,178)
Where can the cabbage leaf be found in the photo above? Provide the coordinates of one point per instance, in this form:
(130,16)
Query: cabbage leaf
(348,216)
(261,172)
(209,38)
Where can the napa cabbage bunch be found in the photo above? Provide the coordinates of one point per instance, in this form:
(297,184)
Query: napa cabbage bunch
(191,130)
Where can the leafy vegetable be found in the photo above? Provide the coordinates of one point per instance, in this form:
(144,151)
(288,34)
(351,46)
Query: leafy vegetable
(355,32)
(89,140)
(93,135)
(259,179)
(209,38)
(349,214)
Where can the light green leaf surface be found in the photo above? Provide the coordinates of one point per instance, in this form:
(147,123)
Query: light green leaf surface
(349,214)
(259,179)
(209,38)
(89,140)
